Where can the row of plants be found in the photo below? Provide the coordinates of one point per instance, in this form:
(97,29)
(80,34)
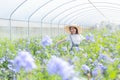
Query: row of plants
(97,58)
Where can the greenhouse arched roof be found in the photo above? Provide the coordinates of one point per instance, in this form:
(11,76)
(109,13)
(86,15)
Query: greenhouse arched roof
(82,12)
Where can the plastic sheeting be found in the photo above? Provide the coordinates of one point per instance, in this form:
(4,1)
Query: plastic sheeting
(81,12)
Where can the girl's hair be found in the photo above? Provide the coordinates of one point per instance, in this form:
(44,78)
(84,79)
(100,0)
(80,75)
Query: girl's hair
(74,28)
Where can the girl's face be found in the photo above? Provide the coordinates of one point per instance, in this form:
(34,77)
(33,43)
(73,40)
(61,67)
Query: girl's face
(72,30)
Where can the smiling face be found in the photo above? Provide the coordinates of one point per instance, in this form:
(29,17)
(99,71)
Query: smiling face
(73,30)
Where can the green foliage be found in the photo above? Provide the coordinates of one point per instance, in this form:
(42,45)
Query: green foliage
(110,41)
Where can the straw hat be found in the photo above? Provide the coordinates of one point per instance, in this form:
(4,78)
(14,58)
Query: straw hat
(68,30)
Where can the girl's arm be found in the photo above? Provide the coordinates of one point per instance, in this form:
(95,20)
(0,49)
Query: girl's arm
(61,41)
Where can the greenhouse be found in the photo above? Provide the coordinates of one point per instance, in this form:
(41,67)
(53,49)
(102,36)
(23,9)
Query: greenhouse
(60,40)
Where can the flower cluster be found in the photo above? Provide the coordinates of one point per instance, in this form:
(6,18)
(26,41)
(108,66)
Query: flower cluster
(46,41)
(24,60)
(86,69)
(59,66)
(100,69)
(90,37)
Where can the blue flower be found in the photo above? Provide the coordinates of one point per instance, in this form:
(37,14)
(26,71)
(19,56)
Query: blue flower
(24,60)
(105,58)
(95,72)
(46,41)
(90,60)
(102,68)
(90,37)
(102,56)
(85,68)
(72,52)
(59,66)
(99,70)
(119,66)
(64,48)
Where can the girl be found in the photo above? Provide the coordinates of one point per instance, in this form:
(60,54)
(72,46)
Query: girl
(74,36)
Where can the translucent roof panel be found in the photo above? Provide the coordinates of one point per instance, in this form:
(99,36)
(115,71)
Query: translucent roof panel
(110,8)
(85,12)
(56,9)
(8,6)
(28,8)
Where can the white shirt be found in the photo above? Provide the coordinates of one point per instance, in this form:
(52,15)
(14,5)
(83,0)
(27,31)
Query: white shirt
(76,38)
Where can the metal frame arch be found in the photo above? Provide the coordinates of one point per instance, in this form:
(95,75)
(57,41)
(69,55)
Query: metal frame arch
(88,10)
(65,11)
(54,10)
(99,2)
(97,9)
(84,16)
(54,16)
(72,13)
(35,12)
(106,3)
(76,13)
(74,18)
(110,3)
(12,15)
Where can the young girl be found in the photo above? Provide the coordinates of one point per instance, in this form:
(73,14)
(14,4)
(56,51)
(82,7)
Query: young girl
(74,36)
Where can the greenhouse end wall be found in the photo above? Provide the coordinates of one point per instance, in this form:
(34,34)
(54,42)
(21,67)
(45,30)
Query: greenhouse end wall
(20,29)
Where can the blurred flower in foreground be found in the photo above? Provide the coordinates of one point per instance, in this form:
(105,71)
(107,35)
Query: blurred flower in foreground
(75,78)
(59,66)
(24,60)
(46,41)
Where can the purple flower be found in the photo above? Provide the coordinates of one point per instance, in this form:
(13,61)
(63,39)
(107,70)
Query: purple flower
(46,41)
(102,56)
(64,48)
(99,70)
(102,68)
(87,37)
(119,66)
(90,60)
(85,68)
(90,37)
(59,66)
(75,58)
(95,63)
(77,48)
(24,60)
(95,72)
(105,58)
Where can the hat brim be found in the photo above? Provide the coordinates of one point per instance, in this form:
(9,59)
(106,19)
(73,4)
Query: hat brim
(67,30)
